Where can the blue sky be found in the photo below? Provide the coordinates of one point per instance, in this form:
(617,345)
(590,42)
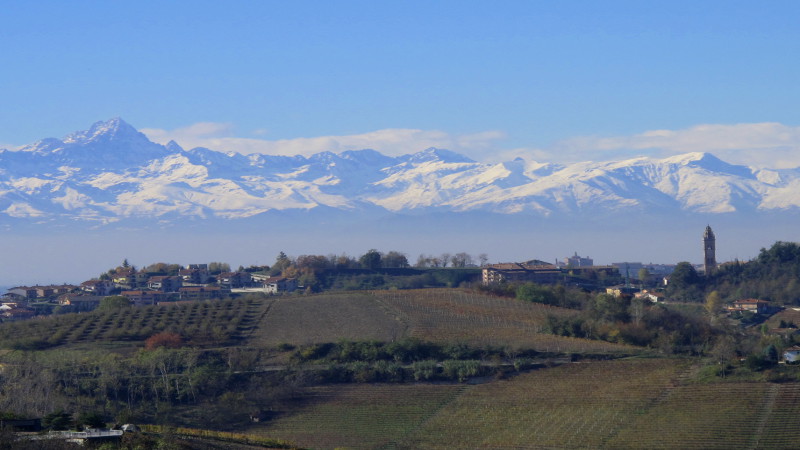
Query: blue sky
(569,80)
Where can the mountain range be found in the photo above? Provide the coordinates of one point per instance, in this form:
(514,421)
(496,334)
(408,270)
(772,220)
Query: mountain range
(112,173)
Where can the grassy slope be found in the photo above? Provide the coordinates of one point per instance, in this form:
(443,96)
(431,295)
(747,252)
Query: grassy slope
(438,315)
(639,403)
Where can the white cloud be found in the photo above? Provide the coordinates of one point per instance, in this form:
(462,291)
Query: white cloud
(766,144)
(392,141)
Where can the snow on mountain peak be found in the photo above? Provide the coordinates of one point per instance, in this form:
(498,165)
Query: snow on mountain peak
(437,154)
(106,131)
(113,171)
(686,158)
(709,162)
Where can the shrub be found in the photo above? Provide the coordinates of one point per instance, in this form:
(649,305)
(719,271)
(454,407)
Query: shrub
(424,370)
(163,339)
(461,370)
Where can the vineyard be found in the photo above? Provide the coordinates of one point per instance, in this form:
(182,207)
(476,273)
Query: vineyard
(721,415)
(359,416)
(449,315)
(576,405)
(325,318)
(632,403)
(202,323)
(436,315)
(378,370)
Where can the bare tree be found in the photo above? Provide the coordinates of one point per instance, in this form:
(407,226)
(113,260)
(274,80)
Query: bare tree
(445,258)
(483,258)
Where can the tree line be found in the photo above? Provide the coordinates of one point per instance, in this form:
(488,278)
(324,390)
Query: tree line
(774,275)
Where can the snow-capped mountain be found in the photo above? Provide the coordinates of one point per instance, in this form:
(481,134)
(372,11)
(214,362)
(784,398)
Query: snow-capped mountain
(112,173)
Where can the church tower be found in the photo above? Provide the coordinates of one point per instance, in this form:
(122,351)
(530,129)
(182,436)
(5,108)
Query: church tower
(709,251)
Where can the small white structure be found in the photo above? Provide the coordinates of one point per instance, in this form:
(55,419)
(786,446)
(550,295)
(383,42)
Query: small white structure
(792,354)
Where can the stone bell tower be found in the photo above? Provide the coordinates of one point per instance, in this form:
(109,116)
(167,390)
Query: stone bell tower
(709,251)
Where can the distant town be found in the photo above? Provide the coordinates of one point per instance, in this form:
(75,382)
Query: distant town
(163,283)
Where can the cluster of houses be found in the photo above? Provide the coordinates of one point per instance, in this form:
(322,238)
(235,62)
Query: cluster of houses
(576,266)
(193,283)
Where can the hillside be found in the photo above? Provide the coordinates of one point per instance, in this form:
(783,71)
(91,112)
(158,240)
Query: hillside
(647,403)
(432,368)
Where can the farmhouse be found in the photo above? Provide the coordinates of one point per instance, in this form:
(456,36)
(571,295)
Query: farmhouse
(750,305)
(653,296)
(276,285)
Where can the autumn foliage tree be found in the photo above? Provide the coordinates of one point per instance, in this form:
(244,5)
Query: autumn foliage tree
(163,339)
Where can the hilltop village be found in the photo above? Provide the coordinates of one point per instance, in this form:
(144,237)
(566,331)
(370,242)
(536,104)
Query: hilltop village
(164,284)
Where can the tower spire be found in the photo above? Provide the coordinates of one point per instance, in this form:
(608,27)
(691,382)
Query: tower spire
(709,251)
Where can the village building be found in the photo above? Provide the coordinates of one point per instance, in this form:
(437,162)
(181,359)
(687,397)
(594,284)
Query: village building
(22,293)
(34,292)
(195,274)
(278,285)
(234,280)
(98,287)
(200,292)
(578,261)
(79,302)
(126,277)
(521,273)
(165,283)
(141,297)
